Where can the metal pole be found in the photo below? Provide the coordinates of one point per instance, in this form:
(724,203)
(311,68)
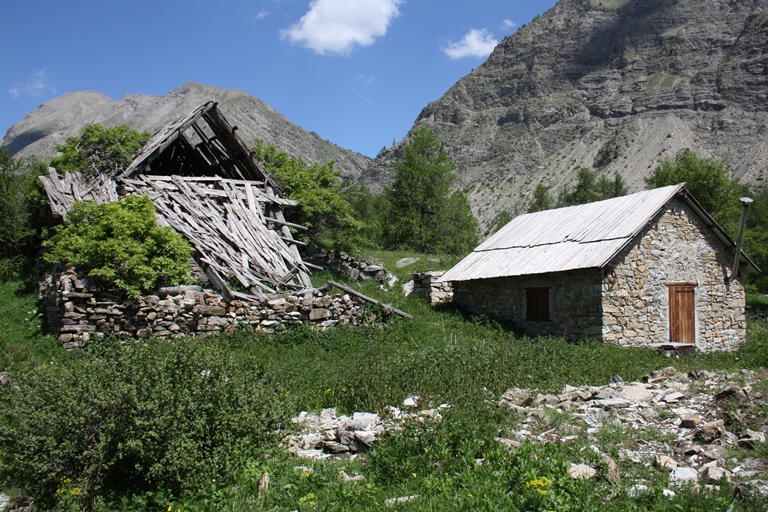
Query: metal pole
(744,205)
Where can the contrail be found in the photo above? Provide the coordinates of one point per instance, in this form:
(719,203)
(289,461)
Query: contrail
(354,91)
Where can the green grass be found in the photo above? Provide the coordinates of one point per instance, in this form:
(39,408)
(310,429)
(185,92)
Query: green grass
(444,356)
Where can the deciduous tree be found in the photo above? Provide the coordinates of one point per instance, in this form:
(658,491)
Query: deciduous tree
(99,149)
(323,206)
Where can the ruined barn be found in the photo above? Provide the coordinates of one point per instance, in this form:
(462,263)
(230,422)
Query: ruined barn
(207,185)
(648,269)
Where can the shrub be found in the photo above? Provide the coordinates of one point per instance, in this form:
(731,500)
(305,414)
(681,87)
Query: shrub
(135,419)
(121,244)
(23,214)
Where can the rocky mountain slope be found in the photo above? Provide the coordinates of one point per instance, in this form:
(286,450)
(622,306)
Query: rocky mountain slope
(41,130)
(611,85)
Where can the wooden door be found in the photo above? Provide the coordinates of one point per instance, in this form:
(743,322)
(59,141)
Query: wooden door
(682,314)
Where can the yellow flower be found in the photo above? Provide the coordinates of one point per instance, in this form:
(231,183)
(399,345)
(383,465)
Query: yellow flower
(538,482)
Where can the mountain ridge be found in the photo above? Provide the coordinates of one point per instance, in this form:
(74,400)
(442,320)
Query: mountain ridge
(614,86)
(65,116)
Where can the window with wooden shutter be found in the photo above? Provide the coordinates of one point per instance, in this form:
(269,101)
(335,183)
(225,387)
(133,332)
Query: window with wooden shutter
(537,304)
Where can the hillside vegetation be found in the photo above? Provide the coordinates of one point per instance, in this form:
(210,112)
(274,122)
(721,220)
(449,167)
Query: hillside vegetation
(195,424)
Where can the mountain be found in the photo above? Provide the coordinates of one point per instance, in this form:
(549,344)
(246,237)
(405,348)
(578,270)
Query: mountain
(611,85)
(42,129)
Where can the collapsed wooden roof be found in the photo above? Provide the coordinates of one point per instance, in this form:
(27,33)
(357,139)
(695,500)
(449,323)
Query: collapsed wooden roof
(202,143)
(208,187)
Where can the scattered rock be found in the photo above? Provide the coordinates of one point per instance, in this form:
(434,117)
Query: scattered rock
(637,490)
(691,421)
(666,462)
(683,476)
(710,431)
(406,261)
(637,392)
(391,502)
(750,438)
(581,472)
(612,473)
(350,479)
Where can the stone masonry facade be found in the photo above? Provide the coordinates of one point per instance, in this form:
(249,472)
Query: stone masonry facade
(676,248)
(81,312)
(627,303)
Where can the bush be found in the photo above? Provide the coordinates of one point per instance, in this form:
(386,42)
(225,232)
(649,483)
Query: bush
(134,419)
(23,214)
(121,244)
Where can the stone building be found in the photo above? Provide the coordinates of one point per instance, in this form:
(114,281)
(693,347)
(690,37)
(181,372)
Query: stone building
(648,269)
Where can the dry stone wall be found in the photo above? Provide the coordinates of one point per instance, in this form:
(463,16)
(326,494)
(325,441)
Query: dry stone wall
(81,312)
(339,261)
(426,286)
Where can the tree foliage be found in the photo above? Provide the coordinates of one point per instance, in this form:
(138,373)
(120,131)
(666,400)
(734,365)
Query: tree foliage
(23,213)
(121,244)
(323,206)
(541,200)
(707,180)
(423,213)
(99,149)
(589,189)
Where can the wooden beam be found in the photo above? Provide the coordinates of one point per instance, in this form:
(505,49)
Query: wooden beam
(385,307)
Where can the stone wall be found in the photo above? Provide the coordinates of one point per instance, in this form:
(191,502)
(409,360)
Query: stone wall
(677,247)
(628,302)
(81,312)
(426,286)
(341,262)
(574,299)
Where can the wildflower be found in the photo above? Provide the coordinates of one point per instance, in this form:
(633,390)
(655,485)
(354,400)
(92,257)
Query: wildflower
(539,484)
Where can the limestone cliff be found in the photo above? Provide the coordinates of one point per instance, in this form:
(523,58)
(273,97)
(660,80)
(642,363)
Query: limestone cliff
(610,85)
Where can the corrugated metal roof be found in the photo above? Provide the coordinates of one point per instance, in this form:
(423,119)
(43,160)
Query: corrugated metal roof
(576,237)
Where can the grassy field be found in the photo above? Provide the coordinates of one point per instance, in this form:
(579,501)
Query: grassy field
(195,424)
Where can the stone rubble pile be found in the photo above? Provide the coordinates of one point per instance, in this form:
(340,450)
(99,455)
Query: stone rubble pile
(326,435)
(689,408)
(80,311)
(341,262)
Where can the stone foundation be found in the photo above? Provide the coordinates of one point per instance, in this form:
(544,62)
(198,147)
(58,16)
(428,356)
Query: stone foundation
(81,312)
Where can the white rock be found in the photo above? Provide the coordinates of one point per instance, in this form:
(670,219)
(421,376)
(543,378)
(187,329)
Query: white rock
(637,490)
(411,401)
(581,472)
(684,476)
(391,502)
(637,392)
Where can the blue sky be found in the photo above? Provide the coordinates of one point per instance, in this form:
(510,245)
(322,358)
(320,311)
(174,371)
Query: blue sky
(357,72)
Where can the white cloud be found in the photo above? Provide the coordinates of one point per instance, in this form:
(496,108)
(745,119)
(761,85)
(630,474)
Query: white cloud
(508,24)
(262,14)
(337,26)
(37,85)
(365,79)
(477,43)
